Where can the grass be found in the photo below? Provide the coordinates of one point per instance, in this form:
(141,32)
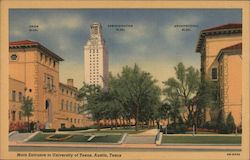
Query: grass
(107,139)
(201,139)
(41,137)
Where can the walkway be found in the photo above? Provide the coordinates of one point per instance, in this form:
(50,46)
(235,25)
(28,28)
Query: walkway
(19,137)
(147,137)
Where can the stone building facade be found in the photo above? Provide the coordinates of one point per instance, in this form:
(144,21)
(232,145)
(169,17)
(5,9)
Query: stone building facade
(34,72)
(222,65)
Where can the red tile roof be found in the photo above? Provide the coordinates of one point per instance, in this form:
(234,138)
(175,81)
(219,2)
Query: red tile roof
(29,43)
(23,42)
(231,28)
(230,49)
(233,47)
(226,26)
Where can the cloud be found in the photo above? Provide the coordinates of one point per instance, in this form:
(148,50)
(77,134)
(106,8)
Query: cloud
(138,32)
(174,35)
(17,33)
(59,21)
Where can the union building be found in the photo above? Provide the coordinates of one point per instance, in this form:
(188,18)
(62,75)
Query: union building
(34,72)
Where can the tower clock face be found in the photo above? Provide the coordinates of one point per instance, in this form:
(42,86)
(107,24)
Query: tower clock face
(94,41)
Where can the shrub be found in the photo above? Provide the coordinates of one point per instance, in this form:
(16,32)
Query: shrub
(48,130)
(175,128)
(230,123)
(211,125)
(73,129)
(224,129)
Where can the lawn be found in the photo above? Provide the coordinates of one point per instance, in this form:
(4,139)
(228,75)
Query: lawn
(107,139)
(201,139)
(41,137)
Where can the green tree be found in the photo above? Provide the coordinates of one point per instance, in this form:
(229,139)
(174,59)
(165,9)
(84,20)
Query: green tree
(182,90)
(206,98)
(27,109)
(230,123)
(92,98)
(137,92)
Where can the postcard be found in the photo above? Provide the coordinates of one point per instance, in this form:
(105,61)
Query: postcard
(125,80)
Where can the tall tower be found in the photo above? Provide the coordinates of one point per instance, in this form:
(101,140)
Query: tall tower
(96,58)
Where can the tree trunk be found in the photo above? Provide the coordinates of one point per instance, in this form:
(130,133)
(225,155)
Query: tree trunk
(124,125)
(136,118)
(98,125)
(111,124)
(116,122)
(120,120)
(28,124)
(129,123)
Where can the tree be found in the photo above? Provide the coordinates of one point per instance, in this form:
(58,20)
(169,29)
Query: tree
(230,123)
(137,92)
(207,97)
(27,109)
(182,90)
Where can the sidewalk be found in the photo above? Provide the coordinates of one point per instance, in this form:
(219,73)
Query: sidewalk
(143,146)
(151,132)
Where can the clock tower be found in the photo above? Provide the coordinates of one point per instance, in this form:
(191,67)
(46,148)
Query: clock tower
(96,58)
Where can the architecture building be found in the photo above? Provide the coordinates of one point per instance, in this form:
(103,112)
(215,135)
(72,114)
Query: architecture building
(220,51)
(229,79)
(34,72)
(96,58)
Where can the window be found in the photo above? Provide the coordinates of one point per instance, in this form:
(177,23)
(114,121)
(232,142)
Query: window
(67,105)
(13,57)
(78,108)
(46,59)
(20,96)
(75,107)
(13,115)
(20,115)
(41,56)
(70,119)
(63,125)
(54,64)
(62,104)
(214,73)
(70,106)
(13,95)
(49,82)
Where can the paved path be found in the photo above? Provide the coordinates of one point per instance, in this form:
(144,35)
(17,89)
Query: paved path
(151,132)
(19,137)
(147,137)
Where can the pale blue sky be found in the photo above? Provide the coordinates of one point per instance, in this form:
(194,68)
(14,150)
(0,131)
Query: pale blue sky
(153,42)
